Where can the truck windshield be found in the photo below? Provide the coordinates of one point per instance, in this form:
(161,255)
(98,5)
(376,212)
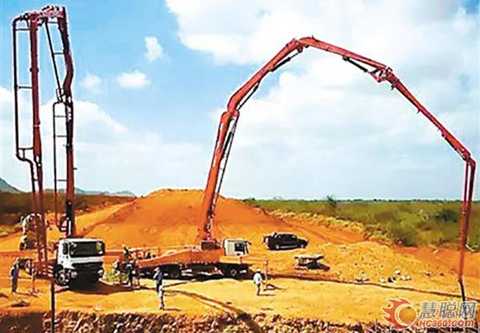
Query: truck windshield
(87,249)
(241,247)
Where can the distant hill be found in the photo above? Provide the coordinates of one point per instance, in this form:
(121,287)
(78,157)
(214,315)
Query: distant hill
(124,194)
(80,191)
(6,187)
(107,193)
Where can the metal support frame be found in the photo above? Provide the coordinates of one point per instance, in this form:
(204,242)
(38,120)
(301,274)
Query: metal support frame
(31,22)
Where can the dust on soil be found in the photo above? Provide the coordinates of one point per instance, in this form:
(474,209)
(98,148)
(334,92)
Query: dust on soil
(169,218)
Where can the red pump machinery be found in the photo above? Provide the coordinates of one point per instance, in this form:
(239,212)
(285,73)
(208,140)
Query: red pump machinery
(380,73)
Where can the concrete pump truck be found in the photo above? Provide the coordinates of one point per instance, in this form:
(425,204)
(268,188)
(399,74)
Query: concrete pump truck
(374,69)
(211,250)
(77,259)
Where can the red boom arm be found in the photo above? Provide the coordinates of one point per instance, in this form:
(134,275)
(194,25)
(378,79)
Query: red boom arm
(376,70)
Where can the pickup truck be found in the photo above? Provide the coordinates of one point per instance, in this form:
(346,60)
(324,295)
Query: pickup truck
(279,241)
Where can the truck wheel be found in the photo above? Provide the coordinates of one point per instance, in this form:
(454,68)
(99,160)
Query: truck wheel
(147,273)
(277,247)
(233,272)
(174,273)
(92,279)
(62,278)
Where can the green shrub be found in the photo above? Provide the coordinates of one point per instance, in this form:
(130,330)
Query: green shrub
(474,240)
(447,215)
(404,233)
(409,221)
(332,202)
(383,216)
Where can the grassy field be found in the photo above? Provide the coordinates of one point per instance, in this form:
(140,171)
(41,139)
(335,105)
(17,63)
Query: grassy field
(414,222)
(15,205)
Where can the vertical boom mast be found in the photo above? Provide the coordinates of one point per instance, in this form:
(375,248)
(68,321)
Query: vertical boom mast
(31,22)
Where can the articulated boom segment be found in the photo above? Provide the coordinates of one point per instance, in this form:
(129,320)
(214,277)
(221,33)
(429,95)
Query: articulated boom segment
(379,72)
(30,23)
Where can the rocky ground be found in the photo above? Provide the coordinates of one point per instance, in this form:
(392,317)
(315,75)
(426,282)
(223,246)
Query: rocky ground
(70,321)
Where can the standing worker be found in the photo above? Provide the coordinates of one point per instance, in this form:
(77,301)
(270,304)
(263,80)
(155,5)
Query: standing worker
(14,273)
(26,225)
(126,253)
(136,274)
(117,272)
(129,268)
(257,280)
(158,276)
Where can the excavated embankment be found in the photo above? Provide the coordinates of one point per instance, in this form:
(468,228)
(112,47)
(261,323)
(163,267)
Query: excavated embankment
(79,322)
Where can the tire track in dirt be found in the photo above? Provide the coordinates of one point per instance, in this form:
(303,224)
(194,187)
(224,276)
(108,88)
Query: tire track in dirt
(242,315)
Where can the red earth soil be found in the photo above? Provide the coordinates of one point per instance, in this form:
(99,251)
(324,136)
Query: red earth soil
(169,218)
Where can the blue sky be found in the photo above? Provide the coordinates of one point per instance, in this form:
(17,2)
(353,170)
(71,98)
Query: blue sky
(108,38)
(317,127)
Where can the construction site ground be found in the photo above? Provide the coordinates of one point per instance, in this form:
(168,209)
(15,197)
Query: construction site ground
(354,289)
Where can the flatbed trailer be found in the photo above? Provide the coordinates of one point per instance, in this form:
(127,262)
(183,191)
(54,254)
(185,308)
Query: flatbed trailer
(229,260)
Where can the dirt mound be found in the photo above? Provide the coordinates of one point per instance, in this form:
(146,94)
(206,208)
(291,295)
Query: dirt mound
(170,218)
(351,258)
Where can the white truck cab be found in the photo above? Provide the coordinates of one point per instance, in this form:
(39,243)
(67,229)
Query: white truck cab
(79,260)
(235,247)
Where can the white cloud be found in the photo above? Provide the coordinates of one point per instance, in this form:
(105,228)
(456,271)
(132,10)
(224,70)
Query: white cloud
(133,80)
(90,117)
(109,155)
(343,133)
(5,96)
(91,82)
(374,27)
(12,169)
(154,49)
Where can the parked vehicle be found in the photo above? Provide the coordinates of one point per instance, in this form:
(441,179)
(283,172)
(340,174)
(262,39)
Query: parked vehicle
(79,260)
(279,241)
